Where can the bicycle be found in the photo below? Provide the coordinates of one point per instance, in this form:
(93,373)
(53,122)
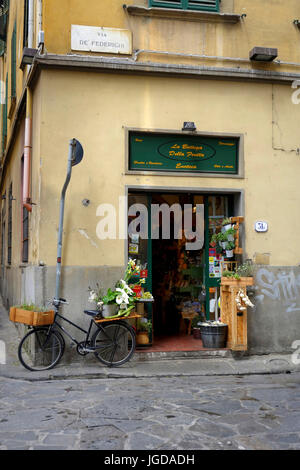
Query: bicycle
(113,343)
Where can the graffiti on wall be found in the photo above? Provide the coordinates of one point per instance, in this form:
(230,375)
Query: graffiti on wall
(283,287)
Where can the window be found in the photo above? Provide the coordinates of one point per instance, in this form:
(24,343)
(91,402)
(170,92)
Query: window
(9,225)
(205,5)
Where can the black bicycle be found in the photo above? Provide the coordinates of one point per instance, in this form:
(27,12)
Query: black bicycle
(113,341)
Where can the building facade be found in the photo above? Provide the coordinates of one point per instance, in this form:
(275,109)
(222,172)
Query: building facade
(123,79)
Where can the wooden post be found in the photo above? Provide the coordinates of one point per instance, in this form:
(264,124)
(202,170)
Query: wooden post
(237,221)
(231,315)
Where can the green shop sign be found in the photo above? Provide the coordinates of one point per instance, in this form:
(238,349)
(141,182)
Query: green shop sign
(183,153)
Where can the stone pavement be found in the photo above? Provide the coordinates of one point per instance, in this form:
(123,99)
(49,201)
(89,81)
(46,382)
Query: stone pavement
(211,363)
(185,413)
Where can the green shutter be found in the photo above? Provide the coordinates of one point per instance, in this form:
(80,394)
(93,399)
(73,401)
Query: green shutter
(13,60)
(205,5)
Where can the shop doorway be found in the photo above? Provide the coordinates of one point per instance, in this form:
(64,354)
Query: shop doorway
(184,282)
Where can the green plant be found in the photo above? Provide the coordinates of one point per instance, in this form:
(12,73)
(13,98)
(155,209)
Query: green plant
(230,231)
(222,237)
(214,239)
(231,274)
(110,297)
(144,326)
(226,221)
(229,246)
(246,269)
(32,308)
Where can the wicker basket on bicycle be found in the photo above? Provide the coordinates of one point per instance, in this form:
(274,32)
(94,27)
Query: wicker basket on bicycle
(31,318)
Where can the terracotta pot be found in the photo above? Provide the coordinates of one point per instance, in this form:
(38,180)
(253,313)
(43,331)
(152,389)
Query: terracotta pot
(140,308)
(142,337)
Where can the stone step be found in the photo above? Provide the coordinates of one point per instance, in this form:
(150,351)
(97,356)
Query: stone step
(169,355)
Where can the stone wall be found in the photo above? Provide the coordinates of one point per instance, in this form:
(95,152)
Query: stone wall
(274,323)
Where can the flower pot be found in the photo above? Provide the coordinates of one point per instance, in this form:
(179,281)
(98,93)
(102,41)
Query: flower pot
(140,308)
(230,238)
(142,337)
(109,310)
(222,245)
(214,336)
(229,253)
(197,333)
(225,228)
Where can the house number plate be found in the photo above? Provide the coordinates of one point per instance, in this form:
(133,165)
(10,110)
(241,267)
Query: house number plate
(261,226)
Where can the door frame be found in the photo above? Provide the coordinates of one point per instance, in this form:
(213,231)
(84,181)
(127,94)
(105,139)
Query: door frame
(238,209)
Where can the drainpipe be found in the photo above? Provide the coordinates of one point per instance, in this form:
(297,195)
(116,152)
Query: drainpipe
(30,23)
(39,20)
(28,120)
(27,152)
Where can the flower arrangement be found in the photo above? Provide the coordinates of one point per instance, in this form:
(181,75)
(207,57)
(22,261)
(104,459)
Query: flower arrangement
(123,294)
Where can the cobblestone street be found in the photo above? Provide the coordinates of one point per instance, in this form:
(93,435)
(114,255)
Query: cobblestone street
(179,413)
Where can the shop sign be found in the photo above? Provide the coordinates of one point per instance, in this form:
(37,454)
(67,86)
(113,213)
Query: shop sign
(98,39)
(180,153)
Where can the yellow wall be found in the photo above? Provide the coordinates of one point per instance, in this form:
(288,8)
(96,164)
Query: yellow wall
(96,108)
(268,24)
(96,111)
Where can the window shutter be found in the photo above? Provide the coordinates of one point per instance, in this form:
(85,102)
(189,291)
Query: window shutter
(166,3)
(208,5)
(205,5)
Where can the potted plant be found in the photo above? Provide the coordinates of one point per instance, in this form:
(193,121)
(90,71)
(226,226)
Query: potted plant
(214,240)
(226,224)
(243,276)
(222,239)
(230,233)
(30,314)
(214,334)
(144,329)
(229,247)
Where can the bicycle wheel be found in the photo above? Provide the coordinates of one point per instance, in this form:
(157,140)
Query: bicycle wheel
(114,343)
(41,349)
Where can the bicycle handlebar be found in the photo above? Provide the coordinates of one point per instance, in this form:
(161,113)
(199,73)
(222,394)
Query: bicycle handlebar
(60,301)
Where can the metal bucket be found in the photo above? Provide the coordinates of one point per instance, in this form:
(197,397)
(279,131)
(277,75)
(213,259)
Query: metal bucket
(214,336)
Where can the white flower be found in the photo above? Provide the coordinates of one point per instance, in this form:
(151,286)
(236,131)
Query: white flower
(92,297)
(125,286)
(122,297)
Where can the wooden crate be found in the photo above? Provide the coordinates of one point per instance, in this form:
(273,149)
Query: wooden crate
(242,282)
(235,319)
(132,315)
(27,317)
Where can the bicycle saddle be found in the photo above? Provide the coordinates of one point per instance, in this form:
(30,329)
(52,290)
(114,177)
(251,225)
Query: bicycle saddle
(92,313)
